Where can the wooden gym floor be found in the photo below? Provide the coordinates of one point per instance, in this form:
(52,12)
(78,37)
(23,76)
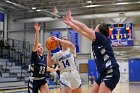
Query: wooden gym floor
(121,88)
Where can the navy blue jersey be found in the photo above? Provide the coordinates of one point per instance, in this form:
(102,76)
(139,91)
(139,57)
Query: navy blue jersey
(38,65)
(103,53)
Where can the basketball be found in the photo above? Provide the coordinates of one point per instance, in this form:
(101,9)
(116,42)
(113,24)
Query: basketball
(51,44)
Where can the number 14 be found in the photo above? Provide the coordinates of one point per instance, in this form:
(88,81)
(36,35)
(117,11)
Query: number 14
(66,63)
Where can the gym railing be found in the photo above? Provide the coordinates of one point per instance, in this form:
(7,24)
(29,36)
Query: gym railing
(17,52)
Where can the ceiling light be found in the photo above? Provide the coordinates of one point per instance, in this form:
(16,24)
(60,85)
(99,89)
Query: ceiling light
(89,2)
(123,3)
(33,8)
(38,10)
(7,1)
(93,5)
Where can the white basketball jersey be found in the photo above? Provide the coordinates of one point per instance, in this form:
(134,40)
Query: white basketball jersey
(66,60)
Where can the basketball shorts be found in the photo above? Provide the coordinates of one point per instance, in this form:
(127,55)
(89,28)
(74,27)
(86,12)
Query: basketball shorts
(70,79)
(110,78)
(34,85)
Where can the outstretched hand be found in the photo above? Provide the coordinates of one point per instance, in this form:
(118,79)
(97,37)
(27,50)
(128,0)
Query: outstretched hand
(67,21)
(68,18)
(69,13)
(37,27)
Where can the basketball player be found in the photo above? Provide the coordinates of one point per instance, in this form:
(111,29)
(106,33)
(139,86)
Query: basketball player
(69,77)
(107,66)
(38,67)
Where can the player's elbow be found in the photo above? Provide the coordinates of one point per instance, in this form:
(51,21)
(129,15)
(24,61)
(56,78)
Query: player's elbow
(50,63)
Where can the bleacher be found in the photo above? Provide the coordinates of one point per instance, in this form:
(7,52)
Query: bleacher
(14,61)
(11,77)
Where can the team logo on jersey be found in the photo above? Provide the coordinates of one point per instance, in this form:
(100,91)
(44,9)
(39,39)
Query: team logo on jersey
(65,57)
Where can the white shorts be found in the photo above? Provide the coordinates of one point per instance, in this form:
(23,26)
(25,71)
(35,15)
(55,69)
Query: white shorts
(70,79)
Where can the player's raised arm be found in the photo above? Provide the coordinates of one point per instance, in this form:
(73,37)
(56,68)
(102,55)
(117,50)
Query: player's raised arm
(50,62)
(79,27)
(37,29)
(51,44)
(65,41)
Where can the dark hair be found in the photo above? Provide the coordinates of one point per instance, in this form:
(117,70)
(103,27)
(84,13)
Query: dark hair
(104,29)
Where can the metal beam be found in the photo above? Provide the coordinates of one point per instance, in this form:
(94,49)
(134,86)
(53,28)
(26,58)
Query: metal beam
(90,16)
(43,19)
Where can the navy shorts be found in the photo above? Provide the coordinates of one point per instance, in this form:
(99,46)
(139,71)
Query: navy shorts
(110,77)
(34,85)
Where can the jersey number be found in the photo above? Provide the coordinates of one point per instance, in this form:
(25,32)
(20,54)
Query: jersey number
(42,70)
(66,63)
